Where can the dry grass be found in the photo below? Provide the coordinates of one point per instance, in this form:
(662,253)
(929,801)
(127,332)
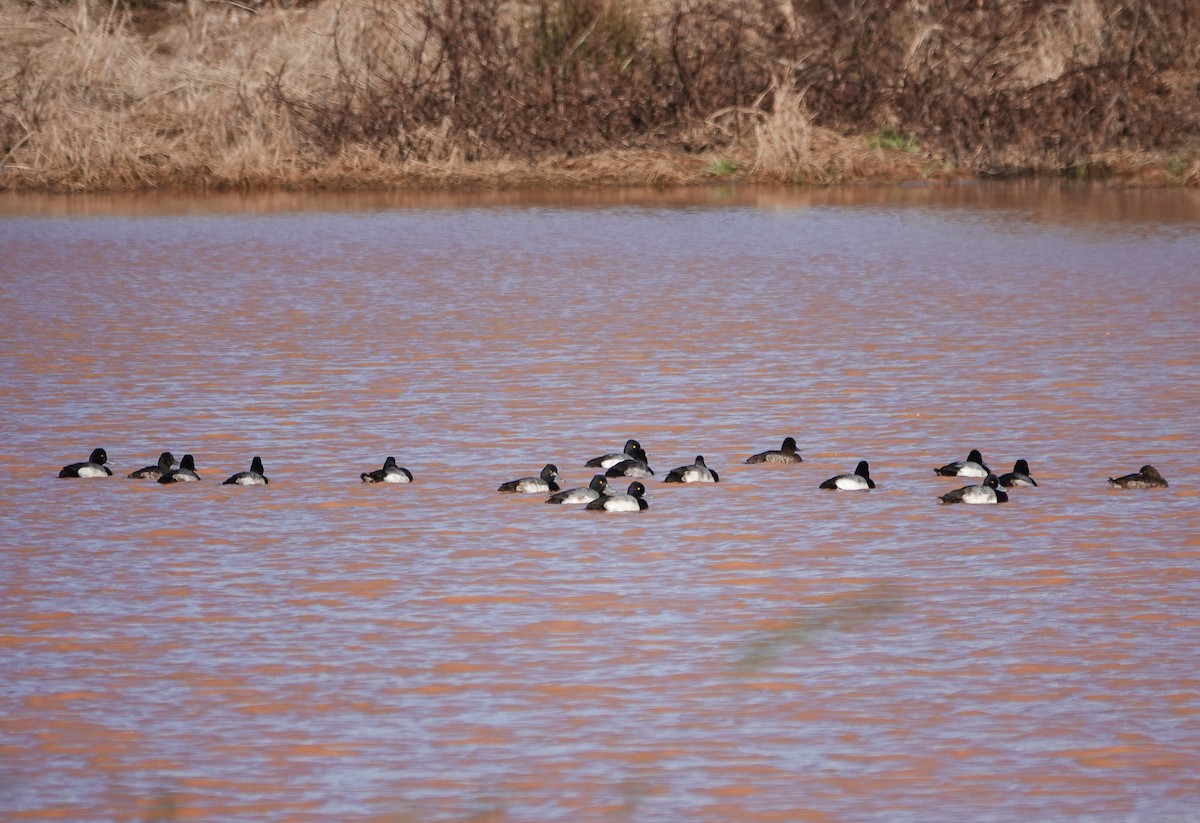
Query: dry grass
(788,146)
(104,95)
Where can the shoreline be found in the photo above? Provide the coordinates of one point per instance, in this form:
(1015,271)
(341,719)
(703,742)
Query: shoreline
(829,160)
(1057,200)
(656,169)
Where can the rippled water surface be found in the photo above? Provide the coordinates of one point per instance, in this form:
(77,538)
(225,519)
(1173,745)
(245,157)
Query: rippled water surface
(758,649)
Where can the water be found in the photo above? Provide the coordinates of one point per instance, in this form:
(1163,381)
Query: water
(322,649)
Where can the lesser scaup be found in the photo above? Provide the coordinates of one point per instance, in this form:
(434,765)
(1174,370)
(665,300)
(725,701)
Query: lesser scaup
(859,481)
(1147,477)
(595,490)
(607,461)
(390,473)
(1019,476)
(636,465)
(986,493)
(973,466)
(254,477)
(92,467)
(185,473)
(546,481)
(784,454)
(166,462)
(695,473)
(631,501)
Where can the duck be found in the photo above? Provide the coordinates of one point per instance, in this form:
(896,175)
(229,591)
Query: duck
(973,466)
(607,461)
(184,473)
(390,473)
(986,493)
(546,481)
(697,472)
(1147,477)
(1019,476)
(92,467)
(637,465)
(859,481)
(594,490)
(784,454)
(631,501)
(254,477)
(166,462)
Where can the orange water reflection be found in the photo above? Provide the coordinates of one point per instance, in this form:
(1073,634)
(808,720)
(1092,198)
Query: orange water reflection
(752,650)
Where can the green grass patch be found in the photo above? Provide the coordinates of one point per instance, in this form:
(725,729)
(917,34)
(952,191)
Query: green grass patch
(722,167)
(1174,169)
(893,141)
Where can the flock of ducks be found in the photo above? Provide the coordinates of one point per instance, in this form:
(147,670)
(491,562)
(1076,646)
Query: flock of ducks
(166,470)
(633,462)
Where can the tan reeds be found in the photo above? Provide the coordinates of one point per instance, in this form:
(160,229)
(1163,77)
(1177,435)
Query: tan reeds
(379,93)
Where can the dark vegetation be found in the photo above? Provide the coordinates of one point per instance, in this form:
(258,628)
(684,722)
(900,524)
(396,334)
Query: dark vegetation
(770,89)
(995,86)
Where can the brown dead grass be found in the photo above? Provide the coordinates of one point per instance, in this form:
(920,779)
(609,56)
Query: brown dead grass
(101,95)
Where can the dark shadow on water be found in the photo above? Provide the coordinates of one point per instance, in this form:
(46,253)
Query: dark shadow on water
(852,612)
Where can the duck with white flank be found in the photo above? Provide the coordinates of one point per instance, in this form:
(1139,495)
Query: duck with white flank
(1019,476)
(166,462)
(859,481)
(254,477)
(1147,477)
(607,461)
(594,491)
(390,473)
(784,454)
(92,467)
(986,493)
(973,466)
(636,465)
(546,481)
(185,473)
(695,473)
(631,501)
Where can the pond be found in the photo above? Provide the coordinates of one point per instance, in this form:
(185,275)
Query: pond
(756,649)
